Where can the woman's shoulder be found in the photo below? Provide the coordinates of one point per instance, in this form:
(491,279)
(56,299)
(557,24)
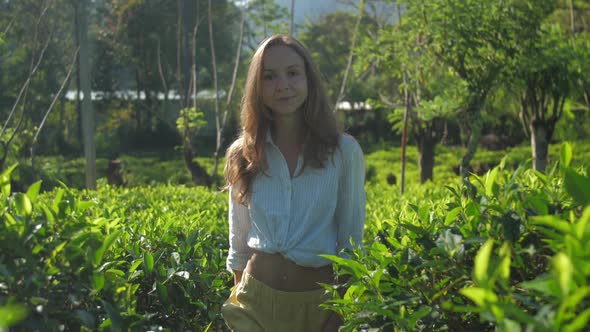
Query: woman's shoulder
(348,144)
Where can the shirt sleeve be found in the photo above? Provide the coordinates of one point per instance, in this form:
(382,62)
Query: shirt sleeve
(239,226)
(350,208)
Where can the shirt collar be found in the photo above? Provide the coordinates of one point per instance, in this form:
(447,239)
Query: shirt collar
(269,137)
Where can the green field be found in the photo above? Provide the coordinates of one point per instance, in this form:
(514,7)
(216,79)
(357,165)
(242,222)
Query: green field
(511,252)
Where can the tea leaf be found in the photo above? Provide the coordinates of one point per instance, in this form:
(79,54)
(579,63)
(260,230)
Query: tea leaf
(479,296)
(565,155)
(23,204)
(12,314)
(482,260)
(564,270)
(579,323)
(148,262)
(578,187)
(108,241)
(5,180)
(544,284)
(553,222)
(33,190)
(452,215)
(490,180)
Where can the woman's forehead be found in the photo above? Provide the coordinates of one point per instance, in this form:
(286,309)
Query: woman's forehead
(281,57)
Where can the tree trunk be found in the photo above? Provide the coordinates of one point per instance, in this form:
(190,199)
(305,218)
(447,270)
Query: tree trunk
(539,145)
(78,91)
(198,173)
(87,110)
(183,78)
(474,120)
(426,148)
(221,124)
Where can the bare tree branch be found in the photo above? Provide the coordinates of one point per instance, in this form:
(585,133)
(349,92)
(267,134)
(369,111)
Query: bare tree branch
(25,87)
(229,95)
(160,70)
(350,55)
(59,92)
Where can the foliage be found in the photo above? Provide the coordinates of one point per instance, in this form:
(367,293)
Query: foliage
(114,259)
(443,259)
(328,40)
(152,257)
(190,121)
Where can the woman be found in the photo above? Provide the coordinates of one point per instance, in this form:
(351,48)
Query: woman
(296,186)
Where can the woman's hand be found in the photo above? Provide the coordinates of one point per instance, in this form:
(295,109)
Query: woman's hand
(333,323)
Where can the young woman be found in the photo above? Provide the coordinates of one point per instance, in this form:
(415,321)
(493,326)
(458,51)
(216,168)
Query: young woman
(296,187)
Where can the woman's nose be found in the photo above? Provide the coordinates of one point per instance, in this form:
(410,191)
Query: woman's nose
(281,83)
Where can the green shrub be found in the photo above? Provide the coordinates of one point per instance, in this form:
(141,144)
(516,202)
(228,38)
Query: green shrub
(510,253)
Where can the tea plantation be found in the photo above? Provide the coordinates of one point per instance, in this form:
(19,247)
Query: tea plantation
(509,253)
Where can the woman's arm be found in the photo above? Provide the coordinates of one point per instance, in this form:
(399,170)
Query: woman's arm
(239,227)
(351,204)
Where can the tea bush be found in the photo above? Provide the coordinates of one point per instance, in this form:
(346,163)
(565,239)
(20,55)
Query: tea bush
(509,253)
(142,259)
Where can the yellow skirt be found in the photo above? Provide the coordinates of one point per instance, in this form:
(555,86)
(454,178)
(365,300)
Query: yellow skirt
(256,307)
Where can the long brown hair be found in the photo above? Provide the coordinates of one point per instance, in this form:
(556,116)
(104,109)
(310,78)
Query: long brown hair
(245,158)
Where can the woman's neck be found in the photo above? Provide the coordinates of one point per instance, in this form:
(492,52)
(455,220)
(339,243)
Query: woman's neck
(287,129)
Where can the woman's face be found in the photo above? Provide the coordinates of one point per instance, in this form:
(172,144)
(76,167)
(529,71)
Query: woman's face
(284,81)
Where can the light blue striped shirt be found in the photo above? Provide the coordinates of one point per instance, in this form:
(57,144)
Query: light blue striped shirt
(316,212)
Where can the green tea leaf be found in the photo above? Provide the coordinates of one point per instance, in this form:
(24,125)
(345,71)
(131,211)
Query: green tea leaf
(504,267)
(574,299)
(482,260)
(33,190)
(581,322)
(106,244)
(564,270)
(162,291)
(490,179)
(582,224)
(98,281)
(553,222)
(23,204)
(565,155)
(479,296)
(12,314)
(135,265)
(544,284)
(5,180)
(148,262)
(577,186)
(451,215)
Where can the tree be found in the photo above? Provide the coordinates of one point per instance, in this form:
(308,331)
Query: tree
(329,41)
(428,92)
(265,17)
(35,47)
(222,117)
(88,116)
(478,41)
(546,78)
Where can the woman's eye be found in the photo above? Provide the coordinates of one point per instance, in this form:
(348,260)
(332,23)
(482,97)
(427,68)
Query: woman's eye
(267,77)
(292,73)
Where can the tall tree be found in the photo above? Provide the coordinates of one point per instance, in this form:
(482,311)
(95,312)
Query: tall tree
(221,117)
(88,116)
(477,40)
(546,77)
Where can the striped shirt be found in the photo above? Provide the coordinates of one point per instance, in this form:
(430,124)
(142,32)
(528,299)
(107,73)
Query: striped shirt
(316,212)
